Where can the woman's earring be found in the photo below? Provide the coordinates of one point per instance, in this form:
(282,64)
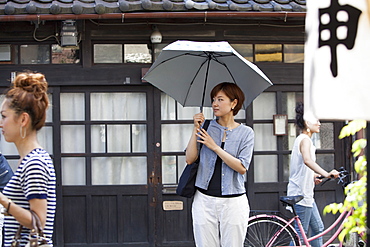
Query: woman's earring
(308,130)
(21,132)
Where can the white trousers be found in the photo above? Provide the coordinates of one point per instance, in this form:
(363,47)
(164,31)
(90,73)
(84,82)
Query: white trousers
(220,221)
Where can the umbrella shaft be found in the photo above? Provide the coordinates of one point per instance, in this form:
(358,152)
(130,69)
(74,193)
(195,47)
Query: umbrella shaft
(205,83)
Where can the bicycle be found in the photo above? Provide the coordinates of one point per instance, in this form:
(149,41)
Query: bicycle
(272,230)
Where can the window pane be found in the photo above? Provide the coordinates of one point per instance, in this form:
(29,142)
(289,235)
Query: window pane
(118,106)
(326,161)
(73,171)
(168,110)
(168,107)
(289,101)
(180,166)
(264,138)
(264,106)
(5,54)
(119,170)
(169,170)
(7,148)
(241,115)
(171,175)
(138,53)
(98,138)
(119,138)
(105,53)
(286,171)
(246,50)
(158,48)
(263,163)
(288,140)
(13,164)
(35,54)
(184,113)
(324,139)
(293,53)
(72,138)
(139,138)
(49,111)
(65,55)
(72,106)
(175,137)
(45,137)
(268,53)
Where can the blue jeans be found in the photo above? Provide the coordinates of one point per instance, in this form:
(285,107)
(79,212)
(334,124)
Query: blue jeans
(310,218)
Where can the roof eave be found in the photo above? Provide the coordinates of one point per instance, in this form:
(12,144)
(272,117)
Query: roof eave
(153,15)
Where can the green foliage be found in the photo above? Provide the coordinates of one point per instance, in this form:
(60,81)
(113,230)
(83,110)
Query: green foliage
(352,128)
(356,191)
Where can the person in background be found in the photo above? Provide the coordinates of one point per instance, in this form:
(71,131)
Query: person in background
(304,173)
(6,173)
(220,208)
(33,185)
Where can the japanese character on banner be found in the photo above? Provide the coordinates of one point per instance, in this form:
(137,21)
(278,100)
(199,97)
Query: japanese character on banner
(337,60)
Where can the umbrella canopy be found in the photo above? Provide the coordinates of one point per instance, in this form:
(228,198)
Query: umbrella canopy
(188,71)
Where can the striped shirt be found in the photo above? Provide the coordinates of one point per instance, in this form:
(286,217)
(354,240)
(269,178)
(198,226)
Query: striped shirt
(34,178)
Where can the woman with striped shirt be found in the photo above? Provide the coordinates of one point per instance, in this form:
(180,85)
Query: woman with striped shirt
(32,187)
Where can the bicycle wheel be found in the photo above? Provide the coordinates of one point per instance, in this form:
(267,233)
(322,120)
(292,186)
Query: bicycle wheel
(262,229)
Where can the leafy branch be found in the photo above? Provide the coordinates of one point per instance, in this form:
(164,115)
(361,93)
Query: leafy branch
(356,191)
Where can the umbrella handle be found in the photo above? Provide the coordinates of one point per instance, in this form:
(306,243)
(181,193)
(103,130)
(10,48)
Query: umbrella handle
(201,110)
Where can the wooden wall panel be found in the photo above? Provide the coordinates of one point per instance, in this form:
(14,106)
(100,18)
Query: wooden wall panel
(268,202)
(135,219)
(74,219)
(177,224)
(104,219)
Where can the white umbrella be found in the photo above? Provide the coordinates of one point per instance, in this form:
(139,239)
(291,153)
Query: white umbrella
(188,70)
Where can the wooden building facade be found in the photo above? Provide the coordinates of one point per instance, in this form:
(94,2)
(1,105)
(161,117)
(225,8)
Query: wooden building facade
(118,142)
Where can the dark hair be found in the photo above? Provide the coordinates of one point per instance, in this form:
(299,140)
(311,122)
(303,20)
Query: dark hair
(299,121)
(232,91)
(28,93)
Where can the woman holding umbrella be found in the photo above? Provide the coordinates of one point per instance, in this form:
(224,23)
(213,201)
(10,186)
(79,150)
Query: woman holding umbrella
(220,208)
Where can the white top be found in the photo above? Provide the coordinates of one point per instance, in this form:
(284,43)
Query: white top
(301,178)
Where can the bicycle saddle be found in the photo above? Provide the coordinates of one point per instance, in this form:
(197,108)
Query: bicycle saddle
(291,200)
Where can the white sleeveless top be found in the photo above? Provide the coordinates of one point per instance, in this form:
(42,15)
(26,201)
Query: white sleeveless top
(301,178)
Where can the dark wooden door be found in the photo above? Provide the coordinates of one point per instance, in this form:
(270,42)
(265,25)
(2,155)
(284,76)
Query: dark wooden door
(108,176)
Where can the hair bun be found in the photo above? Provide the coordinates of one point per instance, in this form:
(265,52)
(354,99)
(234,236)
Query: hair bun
(299,115)
(32,83)
(28,93)
(299,108)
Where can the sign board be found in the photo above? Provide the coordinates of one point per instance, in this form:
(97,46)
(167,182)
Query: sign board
(173,205)
(337,60)
(280,124)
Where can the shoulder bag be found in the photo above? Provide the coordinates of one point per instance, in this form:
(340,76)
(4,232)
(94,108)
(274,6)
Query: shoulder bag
(186,186)
(36,237)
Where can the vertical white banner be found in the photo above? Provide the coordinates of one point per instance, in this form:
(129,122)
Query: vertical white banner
(337,60)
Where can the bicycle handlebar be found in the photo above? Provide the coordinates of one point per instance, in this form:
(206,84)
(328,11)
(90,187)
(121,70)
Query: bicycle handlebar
(321,177)
(342,178)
